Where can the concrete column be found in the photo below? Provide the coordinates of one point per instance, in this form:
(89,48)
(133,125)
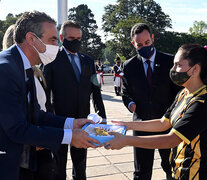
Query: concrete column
(62,11)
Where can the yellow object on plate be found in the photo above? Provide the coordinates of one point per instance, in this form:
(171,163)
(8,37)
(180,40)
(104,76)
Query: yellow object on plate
(101,132)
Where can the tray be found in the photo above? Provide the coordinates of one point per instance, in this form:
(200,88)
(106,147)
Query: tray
(89,128)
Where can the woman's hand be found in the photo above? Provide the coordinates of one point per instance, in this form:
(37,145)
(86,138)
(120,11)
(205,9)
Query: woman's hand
(122,123)
(119,141)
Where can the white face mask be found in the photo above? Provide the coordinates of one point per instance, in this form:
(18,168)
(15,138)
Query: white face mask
(50,53)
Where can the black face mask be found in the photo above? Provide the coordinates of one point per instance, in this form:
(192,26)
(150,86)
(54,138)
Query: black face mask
(72,46)
(147,51)
(179,78)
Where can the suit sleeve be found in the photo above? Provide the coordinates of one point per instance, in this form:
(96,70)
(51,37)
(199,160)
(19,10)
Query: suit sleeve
(13,120)
(126,97)
(97,98)
(48,77)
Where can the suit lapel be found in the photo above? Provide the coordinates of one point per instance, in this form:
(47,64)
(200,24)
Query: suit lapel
(156,72)
(83,66)
(18,60)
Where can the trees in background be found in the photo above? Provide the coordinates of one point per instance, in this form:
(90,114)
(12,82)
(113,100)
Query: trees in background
(10,19)
(119,18)
(199,28)
(91,41)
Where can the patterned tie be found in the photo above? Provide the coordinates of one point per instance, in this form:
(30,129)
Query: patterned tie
(149,73)
(75,67)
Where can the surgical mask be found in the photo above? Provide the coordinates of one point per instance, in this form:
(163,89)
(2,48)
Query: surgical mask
(179,78)
(147,51)
(72,46)
(50,53)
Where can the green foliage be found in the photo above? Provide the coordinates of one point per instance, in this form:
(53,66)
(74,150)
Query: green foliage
(148,10)
(10,19)
(199,28)
(123,59)
(91,42)
(170,41)
(108,53)
(106,62)
(118,20)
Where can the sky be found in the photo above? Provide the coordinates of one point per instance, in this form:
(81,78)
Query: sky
(182,12)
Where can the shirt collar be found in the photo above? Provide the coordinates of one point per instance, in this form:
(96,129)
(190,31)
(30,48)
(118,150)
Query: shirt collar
(25,60)
(76,54)
(152,59)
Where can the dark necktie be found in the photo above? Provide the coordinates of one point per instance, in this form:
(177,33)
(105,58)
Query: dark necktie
(29,151)
(149,73)
(75,67)
(30,92)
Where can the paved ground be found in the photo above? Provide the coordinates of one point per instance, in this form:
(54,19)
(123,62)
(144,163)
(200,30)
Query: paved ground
(105,164)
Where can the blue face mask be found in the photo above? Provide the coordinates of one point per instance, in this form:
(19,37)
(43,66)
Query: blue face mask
(147,51)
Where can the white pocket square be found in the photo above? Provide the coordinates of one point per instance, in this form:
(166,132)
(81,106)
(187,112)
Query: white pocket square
(2,152)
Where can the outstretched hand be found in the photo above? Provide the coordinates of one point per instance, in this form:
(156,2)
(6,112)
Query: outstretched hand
(118,142)
(122,123)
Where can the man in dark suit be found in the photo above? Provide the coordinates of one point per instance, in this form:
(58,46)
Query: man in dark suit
(69,80)
(23,126)
(147,92)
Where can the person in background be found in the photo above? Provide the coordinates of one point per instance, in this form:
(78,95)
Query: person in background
(23,125)
(185,118)
(69,82)
(45,160)
(99,71)
(8,39)
(147,92)
(118,76)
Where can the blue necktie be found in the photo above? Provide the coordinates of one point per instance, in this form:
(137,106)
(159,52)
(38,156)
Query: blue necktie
(75,67)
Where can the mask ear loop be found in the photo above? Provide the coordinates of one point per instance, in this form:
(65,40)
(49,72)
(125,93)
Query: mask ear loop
(39,39)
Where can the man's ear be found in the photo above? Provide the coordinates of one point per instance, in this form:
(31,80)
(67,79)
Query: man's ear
(152,36)
(61,37)
(132,42)
(30,39)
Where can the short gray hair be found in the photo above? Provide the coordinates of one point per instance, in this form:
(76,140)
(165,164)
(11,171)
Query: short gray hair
(31,22)
(69,24)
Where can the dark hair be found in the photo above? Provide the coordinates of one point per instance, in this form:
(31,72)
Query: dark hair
(31,22)
(196,54)
(69,24)
(138,28)
(118,58)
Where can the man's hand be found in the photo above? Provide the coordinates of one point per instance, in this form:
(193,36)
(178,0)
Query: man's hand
(80,139)
(78,123)
(132,107)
